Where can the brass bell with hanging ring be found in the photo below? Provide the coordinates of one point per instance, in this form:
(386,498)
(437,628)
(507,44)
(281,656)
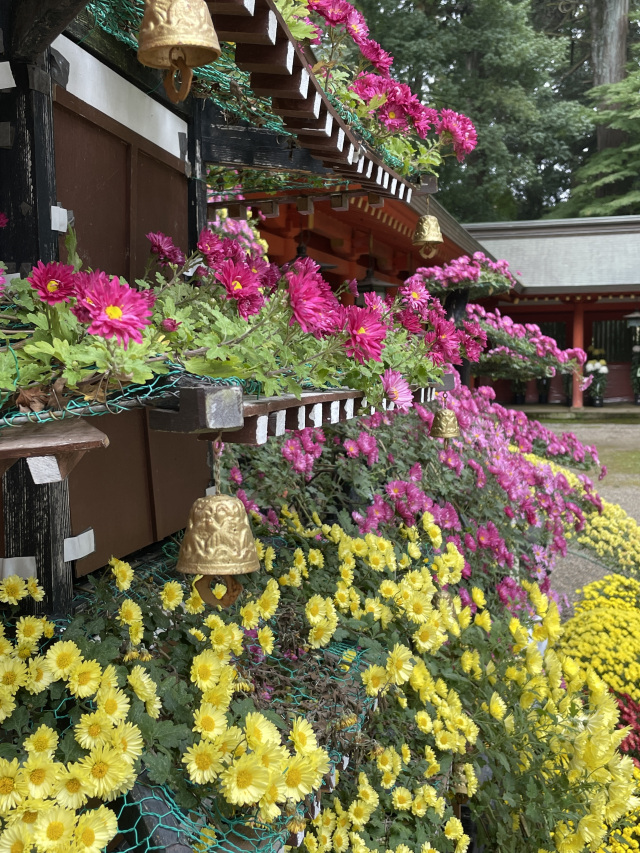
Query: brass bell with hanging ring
(427,236)
(218,542)
(177,35)
(445,424)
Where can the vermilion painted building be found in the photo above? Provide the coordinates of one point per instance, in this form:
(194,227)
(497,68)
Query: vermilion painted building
(577,280)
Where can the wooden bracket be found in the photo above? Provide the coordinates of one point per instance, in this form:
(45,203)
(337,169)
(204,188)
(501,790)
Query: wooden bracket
(201,409)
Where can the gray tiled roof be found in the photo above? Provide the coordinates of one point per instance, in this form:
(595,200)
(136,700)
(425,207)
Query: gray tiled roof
(568,255)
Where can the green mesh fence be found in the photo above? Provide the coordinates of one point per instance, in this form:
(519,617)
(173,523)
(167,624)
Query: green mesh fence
(124,398)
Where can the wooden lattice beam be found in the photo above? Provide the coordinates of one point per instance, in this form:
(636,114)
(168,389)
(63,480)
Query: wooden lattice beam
(36,23)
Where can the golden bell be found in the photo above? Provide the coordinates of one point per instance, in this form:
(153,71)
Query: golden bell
(177,35)
(426,235)
(445,425)
(218,541)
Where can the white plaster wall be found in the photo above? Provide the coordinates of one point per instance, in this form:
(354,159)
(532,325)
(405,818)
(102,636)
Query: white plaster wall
(100,87)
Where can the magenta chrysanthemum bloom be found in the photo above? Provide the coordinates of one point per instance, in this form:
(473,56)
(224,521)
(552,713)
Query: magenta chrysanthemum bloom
(84,282)
(4,220)
(366,334)
(460,130)
(54,282)
(313,303)
(357,26)
(378,57)
(170,325)
(414,293)
(211,247)
(164,248)
(243,285)
(117,311)
(333,11)
(397,389)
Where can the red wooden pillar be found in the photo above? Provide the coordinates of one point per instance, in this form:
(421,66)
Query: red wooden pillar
(578,341)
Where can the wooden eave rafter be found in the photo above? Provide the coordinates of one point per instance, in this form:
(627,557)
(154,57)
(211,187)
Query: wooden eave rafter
(278,69)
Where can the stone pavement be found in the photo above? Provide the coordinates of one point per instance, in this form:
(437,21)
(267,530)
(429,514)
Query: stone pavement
(619,449)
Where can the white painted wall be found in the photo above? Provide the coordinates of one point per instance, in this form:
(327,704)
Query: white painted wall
(100,87)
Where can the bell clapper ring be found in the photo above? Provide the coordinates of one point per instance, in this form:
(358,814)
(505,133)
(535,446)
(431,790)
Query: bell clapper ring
(175,94)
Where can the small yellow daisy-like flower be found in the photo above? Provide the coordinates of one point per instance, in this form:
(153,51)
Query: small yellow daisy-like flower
(453,828)
(35,591)
(250,615)
(37,776)
(13,589)
(219,590)
(93,729)
(53,829)
(478,597)
(29,629)
(17,838)
(203,762)
(402,799)
(399,664)
(171,595)
(93,831)
(316,558)
(267,604)
(9,794)
(375,678)
(209,721)
(73,788)
(266,639)
(497,706)
(42,742)
(136,633)
(127,739)
(245,781)
(129,612)
(205,669)
(7,703)
(483,620)
(84,678)
(194,604)
(13,674)
(114,703)
(260,731)
(106,769)
(303,736)
(122,572)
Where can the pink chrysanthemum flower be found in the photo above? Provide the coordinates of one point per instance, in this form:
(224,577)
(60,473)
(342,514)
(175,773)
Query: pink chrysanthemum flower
(243,285)
(366,334)
(54,282)
(414,293)
(117,311)
(84,283)
(164,248)
(313,305)
(397,389)
(4,220)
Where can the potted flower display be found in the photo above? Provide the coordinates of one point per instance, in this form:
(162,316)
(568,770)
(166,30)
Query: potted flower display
(598,370)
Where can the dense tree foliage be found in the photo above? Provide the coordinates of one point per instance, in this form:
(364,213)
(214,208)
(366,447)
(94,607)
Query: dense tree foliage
(522,70)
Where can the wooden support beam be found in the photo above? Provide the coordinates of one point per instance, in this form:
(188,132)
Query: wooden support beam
(266,59)
(244,8)
(321,126)
(238,145)
(36,23)
(309,108)
(262,28)
(295,87)
(201,409)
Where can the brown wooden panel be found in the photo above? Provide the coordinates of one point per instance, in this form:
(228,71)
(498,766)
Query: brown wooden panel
(110,491)
(161,204)
(179,474)
(92,172)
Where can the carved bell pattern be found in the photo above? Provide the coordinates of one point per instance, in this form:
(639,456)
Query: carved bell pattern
(218,542)
(427,235)
(177,35)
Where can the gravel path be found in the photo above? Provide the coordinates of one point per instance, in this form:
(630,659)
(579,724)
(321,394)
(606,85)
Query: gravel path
(619,449)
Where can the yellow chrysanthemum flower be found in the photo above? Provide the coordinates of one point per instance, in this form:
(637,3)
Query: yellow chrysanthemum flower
(62,657)
(127,739)
(13,589)
(94,729)
(122,572)
(245,781)
(171,595)
(106,769)
(95,830)
(43,741)
(72,787)
(298,778)
(129,612)
(53,830)
(37,776)
(303,736)
(16,838)
(9,794)
(84,678)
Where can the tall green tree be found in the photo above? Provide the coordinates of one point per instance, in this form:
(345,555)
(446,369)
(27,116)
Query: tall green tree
(486,59)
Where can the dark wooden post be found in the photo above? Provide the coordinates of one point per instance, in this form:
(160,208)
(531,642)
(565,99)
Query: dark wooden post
(36,517)
(456,305)
(198,179)
(36,523)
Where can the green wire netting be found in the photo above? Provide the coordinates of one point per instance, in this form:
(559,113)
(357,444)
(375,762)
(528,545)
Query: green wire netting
(149,818)
(222,81)
(162,388)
